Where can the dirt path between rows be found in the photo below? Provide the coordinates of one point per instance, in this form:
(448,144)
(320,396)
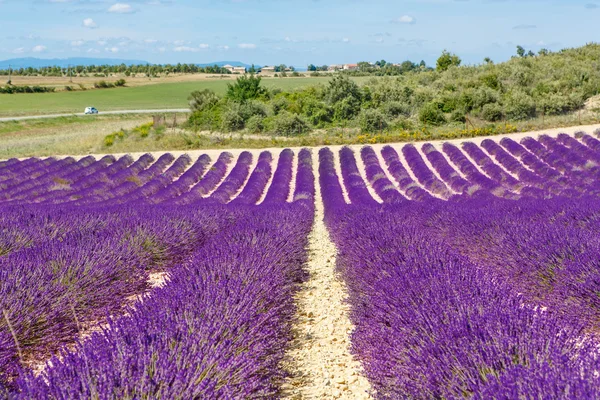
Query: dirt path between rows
(319,360)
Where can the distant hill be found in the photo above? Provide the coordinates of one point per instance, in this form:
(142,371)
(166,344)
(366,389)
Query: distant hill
(232,63)
(64,62)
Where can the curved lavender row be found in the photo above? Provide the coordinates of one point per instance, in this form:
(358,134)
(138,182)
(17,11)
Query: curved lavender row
(279,189)
(117,189)
(473,174)
(33,187)
(25,173)
(446,171)
(353,181)
(235,180)
(587,170)
(157,168)
(158,182)
(578,147)
(96,180)
(514,166)
(9,170)
(121,183)
(49,289)
(209,181)
(8,163)
(423,173)
(423,312)
(591,142)
(533,162)
(218,329)
(411,188)
(102,163)
(256,183)
(42,169)
(304,193)
(378,179)
(184,182)
(490,168)
(548,157)
(16,170)
(575,180)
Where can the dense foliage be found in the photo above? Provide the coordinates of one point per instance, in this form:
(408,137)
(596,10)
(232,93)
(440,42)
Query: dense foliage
(522,88)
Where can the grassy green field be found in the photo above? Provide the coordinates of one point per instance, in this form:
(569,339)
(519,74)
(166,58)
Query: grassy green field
(155,96)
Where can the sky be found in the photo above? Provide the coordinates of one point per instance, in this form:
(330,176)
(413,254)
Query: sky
(298,33)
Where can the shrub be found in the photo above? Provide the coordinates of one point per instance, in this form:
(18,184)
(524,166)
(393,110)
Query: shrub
(200,100)
(483,96)
(255,124)
(279,103)
(519,106)
(246,87)
(458,116)
(394,109)
(346,109)
(211,119)
(491,112)
(288,124)
(109,140)
(120,83)
(430,114)
(233,119)
(341,88)
(372,120)
(317,113)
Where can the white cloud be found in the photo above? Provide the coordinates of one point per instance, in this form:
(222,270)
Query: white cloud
(405,19)
(19,50)
(77,43)
(346,40)
(89,23)
(93,51)
(121,8)
(39,48)
(203,46)
(150,41)
(102,42)
(186,49)
(225,47)
(247,46)
(112,49)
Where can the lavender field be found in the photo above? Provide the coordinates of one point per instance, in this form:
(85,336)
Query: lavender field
(453,270)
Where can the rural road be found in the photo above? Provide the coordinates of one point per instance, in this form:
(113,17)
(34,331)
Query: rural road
(23,118)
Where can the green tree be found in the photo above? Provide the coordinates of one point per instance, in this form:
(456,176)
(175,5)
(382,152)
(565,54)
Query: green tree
(447,60)
(311,68)
(201,100)
(246,87)
(520,51)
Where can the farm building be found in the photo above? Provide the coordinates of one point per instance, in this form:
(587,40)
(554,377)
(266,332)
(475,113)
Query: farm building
(235,70)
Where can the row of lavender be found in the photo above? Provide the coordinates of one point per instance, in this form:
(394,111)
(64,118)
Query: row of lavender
(481,297)
(218,328)
(543,168)
(547,167)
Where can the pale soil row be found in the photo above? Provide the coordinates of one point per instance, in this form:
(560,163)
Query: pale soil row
(318,359)
(338,170)
(433,170)
(363,174)
(274,161)
(384,167)
(294,172)
(251,170)
(228,168)
(498,163)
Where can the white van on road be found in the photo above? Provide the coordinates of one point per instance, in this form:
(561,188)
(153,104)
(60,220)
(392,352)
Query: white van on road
(90,110)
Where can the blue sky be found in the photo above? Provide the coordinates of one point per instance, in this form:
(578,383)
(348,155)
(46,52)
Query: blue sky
(292,32)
